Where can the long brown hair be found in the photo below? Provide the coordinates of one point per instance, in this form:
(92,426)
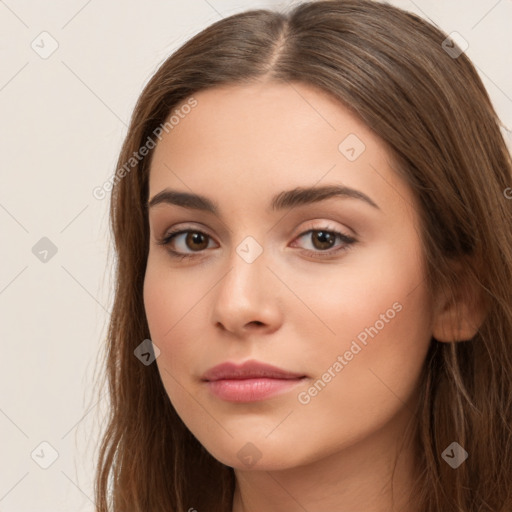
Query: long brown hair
(391,69)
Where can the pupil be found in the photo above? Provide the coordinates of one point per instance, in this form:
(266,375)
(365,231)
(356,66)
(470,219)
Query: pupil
(325,238)
(195,238)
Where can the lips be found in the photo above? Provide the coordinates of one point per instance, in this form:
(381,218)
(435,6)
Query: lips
(252,381)
(248,370)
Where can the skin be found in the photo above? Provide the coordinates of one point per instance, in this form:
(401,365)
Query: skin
(239,146)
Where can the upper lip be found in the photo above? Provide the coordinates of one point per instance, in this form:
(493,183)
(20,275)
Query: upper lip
(248,370)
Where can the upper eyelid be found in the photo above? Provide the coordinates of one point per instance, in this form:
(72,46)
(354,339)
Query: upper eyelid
(176,230)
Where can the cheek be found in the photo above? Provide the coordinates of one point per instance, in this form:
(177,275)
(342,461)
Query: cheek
(169,305)
(169,309)
(373,294)
(366,371)
(377,374)
(171,295)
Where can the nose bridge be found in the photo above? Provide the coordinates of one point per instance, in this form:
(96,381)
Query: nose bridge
(247,265)
(243,294)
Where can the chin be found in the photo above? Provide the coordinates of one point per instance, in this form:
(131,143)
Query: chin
(254,456)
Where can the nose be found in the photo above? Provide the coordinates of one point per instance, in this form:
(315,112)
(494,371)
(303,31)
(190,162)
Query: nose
(247,298)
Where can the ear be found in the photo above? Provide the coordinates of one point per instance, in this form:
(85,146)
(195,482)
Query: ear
(459,315)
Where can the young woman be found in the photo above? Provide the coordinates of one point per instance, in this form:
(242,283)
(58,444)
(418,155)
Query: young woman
(313,311)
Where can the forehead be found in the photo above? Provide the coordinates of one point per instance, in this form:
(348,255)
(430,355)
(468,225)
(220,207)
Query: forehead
(254,140)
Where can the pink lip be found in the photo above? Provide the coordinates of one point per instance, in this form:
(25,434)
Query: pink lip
(249,382)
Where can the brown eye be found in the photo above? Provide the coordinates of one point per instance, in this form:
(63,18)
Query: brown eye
(196,240)
(192,241)
(323,239)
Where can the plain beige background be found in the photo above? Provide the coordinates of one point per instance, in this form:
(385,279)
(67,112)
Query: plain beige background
(69,77)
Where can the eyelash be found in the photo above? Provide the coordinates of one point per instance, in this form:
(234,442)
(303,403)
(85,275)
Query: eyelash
(348,242)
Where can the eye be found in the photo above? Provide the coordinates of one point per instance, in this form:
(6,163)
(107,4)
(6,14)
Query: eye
(197,240)
(324,239)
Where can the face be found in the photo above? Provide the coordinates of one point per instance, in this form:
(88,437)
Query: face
(329,288)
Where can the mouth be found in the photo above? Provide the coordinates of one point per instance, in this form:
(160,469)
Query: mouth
(249,382)
(251,390)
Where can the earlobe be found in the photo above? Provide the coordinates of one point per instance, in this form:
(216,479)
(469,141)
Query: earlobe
(458,317)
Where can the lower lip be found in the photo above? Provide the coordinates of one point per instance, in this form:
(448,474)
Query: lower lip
(250,390)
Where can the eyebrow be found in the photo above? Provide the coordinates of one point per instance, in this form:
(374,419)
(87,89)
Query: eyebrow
(284,200)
